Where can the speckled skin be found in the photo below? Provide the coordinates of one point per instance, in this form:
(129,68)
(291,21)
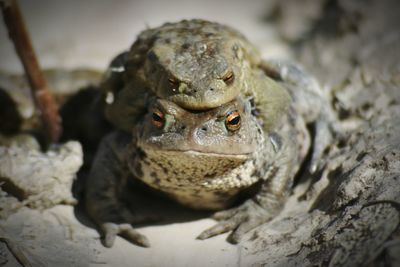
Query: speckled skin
(204,169)
(188,63)
(197,161)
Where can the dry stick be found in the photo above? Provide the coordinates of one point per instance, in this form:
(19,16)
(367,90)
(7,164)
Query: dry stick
(39,87)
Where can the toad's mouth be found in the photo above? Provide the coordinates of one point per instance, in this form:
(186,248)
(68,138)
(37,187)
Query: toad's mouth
(212,149)
(201,101)
(193,153)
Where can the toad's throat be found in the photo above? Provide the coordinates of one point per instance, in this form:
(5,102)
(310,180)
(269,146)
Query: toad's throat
(195,179)
(166,168)
(190,165)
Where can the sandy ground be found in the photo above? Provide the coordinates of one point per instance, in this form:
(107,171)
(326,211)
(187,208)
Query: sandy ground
(74,34)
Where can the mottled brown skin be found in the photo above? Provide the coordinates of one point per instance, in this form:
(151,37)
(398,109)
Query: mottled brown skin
(197,160)
(196,64)
(180,63)
(200,65)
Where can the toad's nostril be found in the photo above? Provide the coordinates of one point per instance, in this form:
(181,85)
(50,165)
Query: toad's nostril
(204,129)
(211,89)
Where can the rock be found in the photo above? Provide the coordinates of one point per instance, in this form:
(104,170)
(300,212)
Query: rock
(350,215)
(36,179)
(50,238)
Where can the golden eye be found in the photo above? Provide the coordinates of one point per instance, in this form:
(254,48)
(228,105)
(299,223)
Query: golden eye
(232,121)
(173,81)
(229,77)
(158,119)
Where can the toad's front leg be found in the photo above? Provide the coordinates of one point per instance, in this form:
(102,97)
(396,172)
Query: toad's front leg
(103,191)
(264,206)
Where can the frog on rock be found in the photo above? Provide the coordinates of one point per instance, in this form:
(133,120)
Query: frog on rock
(202,118)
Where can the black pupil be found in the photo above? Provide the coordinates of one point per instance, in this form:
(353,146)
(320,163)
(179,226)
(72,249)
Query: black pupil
(235,120)
(157,117)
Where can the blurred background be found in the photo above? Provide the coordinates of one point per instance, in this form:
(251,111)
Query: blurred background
(70,34)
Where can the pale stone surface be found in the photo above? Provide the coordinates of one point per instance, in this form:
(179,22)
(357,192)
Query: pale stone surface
(37,179)
(49,238)
(174,245)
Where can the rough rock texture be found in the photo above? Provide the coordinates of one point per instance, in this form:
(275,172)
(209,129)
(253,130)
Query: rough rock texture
(351,220)
(353,216)
(30,181)
(49,238)
(29,177)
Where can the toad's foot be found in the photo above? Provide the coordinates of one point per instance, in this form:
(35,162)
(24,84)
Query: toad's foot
(119,221)
(240,220)
(111,230)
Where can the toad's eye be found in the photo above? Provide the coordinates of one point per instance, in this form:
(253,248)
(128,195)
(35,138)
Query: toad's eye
(158,119)
(173,81)
(229,77)
(232,121)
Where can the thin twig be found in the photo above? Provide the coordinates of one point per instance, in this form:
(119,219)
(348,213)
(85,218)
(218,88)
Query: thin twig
(43,98)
